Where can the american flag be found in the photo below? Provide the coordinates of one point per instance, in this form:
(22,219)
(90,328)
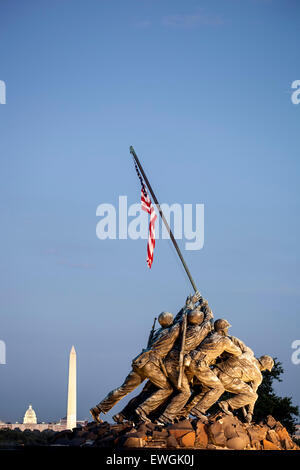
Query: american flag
(147,207)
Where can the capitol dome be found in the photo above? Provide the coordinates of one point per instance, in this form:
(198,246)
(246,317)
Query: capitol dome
(30,416)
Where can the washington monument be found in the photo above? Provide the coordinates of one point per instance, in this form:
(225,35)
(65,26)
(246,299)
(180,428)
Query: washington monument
(71,413)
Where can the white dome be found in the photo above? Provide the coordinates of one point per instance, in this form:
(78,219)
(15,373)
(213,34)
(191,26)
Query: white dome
(30,416)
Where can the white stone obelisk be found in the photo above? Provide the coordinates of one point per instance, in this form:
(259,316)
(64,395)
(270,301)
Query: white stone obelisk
(71,413)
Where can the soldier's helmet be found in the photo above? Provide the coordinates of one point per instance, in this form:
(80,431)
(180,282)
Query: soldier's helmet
(165,319)
(267,362)
(196,316)
(221,324)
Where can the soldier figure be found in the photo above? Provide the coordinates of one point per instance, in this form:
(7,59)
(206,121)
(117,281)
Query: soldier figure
(149,365)
(235,374)
(165,320)
(199,326)
(199,366)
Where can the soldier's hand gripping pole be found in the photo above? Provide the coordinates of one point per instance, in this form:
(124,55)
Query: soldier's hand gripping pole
(163,218)
(181,356)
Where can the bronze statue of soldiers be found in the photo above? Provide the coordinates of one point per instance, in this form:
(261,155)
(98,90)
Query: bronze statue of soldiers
(242,377)
(174,362)
(200,362)
(149,365)
(199,326)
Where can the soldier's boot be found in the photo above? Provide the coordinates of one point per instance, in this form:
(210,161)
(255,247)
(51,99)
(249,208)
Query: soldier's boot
(95,412)
(118,418)
(225,407)
(198,414)
(142,415)
(186,410)
(184,414)
(163,420)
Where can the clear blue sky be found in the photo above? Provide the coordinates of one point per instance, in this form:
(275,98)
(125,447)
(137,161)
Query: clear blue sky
(202,89)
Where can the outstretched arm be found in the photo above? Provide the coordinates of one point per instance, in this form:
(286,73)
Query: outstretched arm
(189,305)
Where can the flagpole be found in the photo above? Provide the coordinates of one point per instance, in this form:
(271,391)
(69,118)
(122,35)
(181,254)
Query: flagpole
(163,218)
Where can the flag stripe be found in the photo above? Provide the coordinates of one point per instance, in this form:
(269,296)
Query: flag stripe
(147,206)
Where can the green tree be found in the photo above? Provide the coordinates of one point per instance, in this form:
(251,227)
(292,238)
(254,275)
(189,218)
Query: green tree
(268,403)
